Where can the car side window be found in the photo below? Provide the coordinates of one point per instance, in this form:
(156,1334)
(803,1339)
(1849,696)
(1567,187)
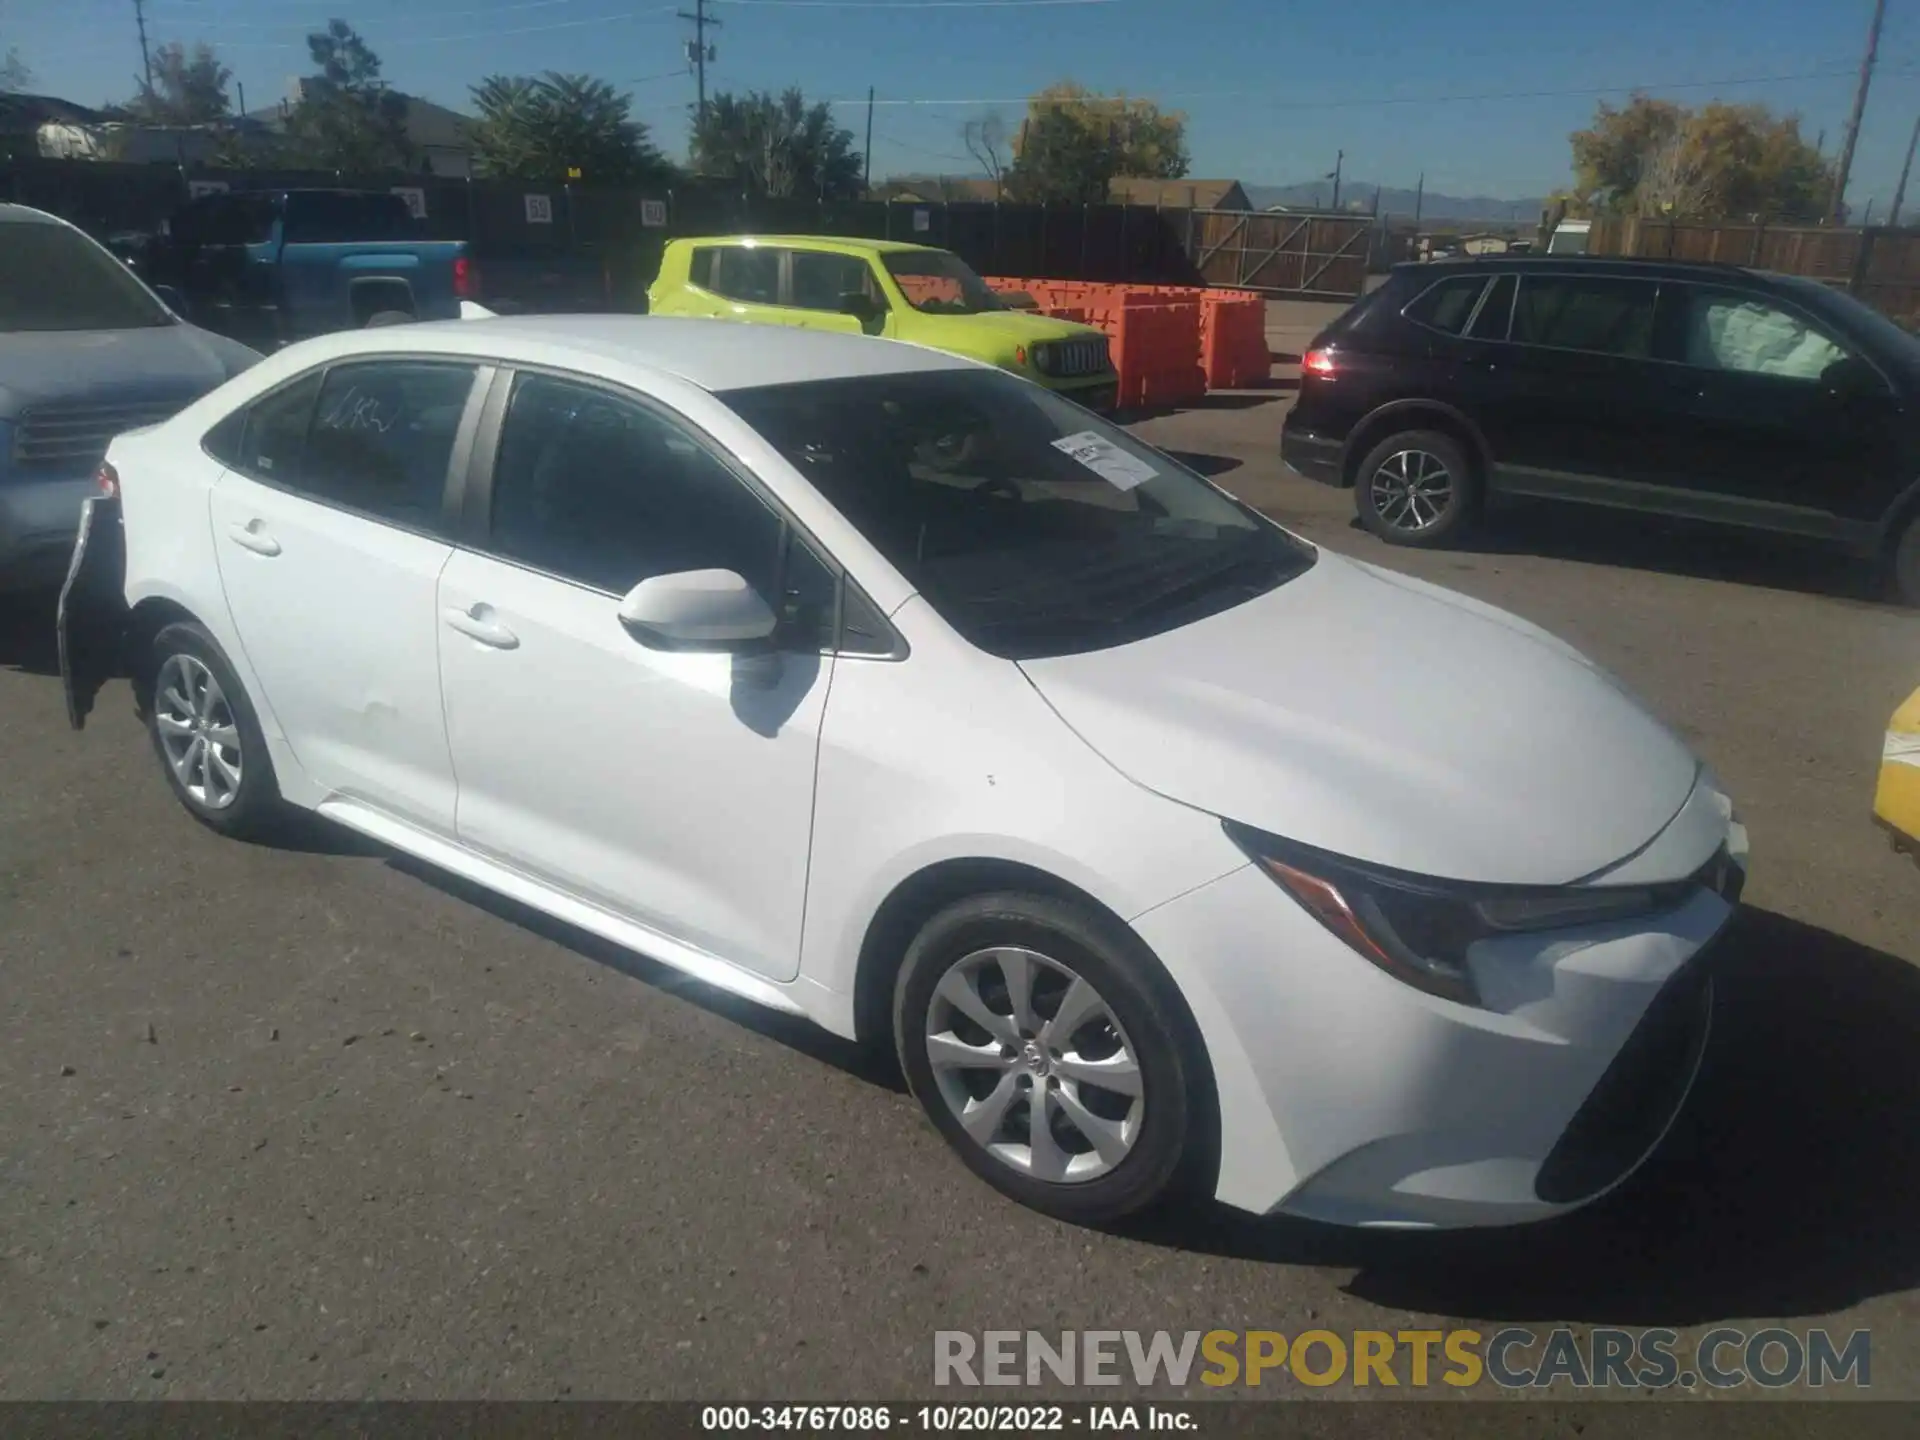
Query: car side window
(1447,306)
(375,437)
(1604,315)
(820,279)
(749,274)
(1495,315)
(596,488)
(1728,330)
(268,439)
(700,267)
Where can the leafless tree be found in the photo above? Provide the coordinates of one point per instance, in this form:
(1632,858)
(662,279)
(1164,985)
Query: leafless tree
(1677,179)
(986,140)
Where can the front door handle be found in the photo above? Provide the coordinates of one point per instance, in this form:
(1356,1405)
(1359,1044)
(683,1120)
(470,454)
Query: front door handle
(475,625)
(253,536)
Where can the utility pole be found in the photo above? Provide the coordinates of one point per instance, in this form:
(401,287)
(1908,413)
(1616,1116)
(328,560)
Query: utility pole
(1419,200)
(1339,159)
(700,52)
(1900,190)
(1837,209)
(146,57)
(866,167)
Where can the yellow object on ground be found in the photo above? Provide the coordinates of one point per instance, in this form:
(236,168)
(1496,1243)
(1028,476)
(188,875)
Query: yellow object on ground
(1897,804)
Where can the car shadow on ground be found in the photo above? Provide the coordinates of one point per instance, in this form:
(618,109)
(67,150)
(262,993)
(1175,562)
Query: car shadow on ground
(1785,1188)
(1624,539)
(28,639)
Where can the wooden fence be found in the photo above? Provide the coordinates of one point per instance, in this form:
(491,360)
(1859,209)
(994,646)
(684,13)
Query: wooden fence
(1879,265)
(621,232)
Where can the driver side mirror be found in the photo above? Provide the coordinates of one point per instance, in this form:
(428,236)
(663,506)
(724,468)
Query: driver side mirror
(712,611)
(861,306)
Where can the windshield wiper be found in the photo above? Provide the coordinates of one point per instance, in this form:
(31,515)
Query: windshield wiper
(1207,582)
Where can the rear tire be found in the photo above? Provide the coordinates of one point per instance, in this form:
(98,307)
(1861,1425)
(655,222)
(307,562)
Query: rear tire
(1417,488)
(1120,1089)
(207,736)
(1904,573)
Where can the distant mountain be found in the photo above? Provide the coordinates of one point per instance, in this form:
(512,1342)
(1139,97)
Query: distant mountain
(1479,209)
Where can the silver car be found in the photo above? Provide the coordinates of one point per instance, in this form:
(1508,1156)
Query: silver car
(86,351)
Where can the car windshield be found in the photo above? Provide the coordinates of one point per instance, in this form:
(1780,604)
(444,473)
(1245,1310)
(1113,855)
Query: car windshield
(1031,526)
(54,278)
(937,282)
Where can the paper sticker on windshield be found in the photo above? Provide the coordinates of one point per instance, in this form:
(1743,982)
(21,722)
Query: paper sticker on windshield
(1107,460)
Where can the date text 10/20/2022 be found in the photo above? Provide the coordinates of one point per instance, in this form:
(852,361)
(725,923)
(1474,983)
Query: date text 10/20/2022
(944,1419)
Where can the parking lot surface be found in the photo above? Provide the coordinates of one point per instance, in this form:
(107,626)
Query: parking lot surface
(308,1120)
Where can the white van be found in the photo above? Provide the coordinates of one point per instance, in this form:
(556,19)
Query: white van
(1569,237)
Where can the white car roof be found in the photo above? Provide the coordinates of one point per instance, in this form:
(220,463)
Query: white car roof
(715,355)
(27,215)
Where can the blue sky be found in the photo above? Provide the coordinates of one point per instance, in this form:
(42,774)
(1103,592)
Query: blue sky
(1478,94)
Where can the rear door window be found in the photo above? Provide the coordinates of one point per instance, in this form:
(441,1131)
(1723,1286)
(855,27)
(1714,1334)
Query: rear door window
(327,217)
(1602,315)
(1449,305)
(1495,315)
(750,275)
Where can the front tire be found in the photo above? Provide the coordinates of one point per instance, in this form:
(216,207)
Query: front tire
(1042,1042)
(208,738)
(1417,488)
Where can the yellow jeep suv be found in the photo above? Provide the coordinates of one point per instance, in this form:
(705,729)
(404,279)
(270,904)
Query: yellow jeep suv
(880,287)
(1897,802)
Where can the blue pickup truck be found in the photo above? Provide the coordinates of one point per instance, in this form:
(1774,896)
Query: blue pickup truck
(268,267)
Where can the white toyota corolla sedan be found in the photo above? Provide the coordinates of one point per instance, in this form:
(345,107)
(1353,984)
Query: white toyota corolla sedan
(890,690)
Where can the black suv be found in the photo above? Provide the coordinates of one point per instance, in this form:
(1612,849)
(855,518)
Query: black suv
(1703,391)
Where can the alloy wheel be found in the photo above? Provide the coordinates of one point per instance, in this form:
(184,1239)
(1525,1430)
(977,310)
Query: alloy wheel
(1035,1065)
(1412,490)
(198,732)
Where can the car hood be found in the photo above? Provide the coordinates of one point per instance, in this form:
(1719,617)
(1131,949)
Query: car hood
(159,362)
(1009,327)
(1387,720)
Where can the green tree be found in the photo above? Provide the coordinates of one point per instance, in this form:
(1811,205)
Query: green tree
(1075,143)
(189,88)
(1654,157)
(543,127)
(14,74)
(347,118)
(777,145)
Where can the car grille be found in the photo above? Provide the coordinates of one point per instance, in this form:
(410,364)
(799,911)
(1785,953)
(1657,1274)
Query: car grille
(74,437)
(1069,358)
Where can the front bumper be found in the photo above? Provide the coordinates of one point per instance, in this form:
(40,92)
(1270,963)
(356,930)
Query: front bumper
(1350,1098)
(39,518)
(1314,457)
(1099,393)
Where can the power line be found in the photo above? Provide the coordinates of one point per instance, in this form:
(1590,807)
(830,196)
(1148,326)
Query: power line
(1329,104)
(430,15)
(628,18)
(912,4)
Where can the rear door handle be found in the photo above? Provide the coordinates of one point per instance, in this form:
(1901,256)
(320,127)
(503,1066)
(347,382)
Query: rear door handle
(475,626)
(253,536)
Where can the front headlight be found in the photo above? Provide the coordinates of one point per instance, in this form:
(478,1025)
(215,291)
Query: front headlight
(1043,358)
(1418,929)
